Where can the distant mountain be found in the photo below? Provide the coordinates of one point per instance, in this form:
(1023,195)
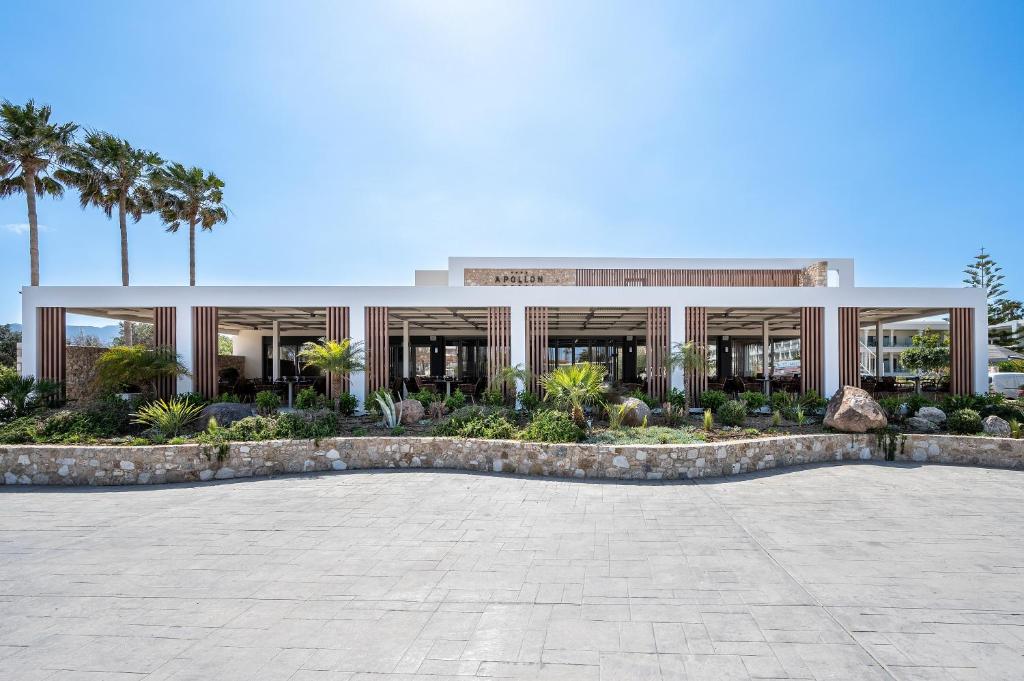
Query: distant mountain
(106,334)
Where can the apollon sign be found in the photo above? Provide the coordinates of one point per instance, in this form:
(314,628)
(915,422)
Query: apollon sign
(531,277)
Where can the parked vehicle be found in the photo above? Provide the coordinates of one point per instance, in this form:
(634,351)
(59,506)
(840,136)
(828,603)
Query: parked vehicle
(1007,384)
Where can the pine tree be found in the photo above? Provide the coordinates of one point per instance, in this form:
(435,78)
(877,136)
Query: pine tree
(984,272)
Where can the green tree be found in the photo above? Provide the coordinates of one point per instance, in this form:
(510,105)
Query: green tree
(31,148)
(985,273)
(9,340)
(574,387)
(336,358)
(688,357)
(928,354)
(136,365)
(135,333)
(189,196)
(225,346)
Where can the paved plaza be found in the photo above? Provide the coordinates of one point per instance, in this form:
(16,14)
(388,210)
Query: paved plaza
(831,572)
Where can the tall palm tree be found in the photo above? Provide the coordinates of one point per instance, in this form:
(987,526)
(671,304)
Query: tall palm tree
(29,146)
(109,172)
(189,196)
(334,357)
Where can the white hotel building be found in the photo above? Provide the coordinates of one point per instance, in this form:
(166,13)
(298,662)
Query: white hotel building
(465,322)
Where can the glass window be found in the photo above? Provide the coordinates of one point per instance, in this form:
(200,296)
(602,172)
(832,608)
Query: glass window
(451,360)
(422,360)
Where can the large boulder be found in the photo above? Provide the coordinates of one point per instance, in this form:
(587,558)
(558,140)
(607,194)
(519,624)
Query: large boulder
(226,413)
(920,424)
(851,410)
(636,410)
(933,414)
(411,411)
(995,426)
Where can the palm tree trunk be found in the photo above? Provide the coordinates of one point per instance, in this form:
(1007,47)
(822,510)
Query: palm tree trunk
(123,219)
(191,252)
(33,226)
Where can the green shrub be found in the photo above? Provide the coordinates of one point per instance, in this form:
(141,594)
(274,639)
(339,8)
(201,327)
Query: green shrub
(643,397)
(167,418)
(23,395)
(347,404)
(193,398)
(69,427)
(754,399)
(677,398)
(552,426)
(709,420)
(528,401)
(493,398)
(713,399)
(226,397)
(457,400)
(312,425)
(811,401)
(308,398)
(251,429)
(732,413)
(267,402)
(491,427)
(110,415)
(21,430)
(785,403)
(358,431)
(964,422)
(458,422)
(653,435)
(916,402)
(425,397)
(891,405)
(397,430)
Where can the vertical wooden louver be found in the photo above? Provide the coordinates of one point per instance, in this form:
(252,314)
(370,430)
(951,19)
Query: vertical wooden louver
(536,346)
(697,333)
(337,330)
(961,350)
(377,358)
(812,349)
(499,340)
(849,346)
(692,277)
(204,350)
(658,351)
(165,321)
(52,344)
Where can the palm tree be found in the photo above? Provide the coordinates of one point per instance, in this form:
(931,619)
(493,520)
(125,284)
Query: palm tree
(109,172)
(507,380)
(29,145)
(189,196)
(335,357)
(574,387)
(689,357)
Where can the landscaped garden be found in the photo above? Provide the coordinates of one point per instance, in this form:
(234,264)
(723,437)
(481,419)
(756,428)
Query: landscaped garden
(579,406)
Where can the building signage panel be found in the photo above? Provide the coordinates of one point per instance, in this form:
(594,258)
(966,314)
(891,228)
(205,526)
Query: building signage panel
(519,277)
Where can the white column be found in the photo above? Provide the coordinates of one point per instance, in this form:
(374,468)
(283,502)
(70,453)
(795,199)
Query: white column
(677,334)
(29,342)
(405,349)
(517,339)
(981,349)
(831,350)
(357,332)
(275,351)
(183,341)
(878,349)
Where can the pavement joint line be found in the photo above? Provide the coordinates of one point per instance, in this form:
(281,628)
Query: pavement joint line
(724,509)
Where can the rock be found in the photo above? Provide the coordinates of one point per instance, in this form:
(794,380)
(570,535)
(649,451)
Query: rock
(933,414)
(851,410)
(226,413)
(995,426)
(620,462)
(922,425)
(411,410)
(635,413)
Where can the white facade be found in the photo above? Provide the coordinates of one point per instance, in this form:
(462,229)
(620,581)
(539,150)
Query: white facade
(448,289)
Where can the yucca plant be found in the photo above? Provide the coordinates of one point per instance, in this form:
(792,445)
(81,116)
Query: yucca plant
(168,418)
(574,387)
(335,358)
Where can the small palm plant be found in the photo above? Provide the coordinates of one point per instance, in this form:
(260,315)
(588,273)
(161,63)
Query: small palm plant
(689,357)
(506,380)
(137,365)
(336,358)
(168,418)
(189,196)
(574,387)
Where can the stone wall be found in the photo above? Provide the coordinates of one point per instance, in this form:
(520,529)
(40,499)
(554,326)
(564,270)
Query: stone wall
(236,361)
(105,465)
(815,275)
(80,372)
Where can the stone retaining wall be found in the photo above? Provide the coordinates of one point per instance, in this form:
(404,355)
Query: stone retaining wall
(107,465)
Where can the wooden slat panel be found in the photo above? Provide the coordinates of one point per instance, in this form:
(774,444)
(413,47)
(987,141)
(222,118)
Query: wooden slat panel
(377,356)
(499,335)
(165,321)
(658,351)
(52,344)
(961,350)
(337,330)
(536,346)
(204,350)
(687,277)
(849,346)
(812,355)
(697,333)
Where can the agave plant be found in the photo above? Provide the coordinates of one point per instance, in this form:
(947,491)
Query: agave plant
(391,413)
(574,387)
(168,418)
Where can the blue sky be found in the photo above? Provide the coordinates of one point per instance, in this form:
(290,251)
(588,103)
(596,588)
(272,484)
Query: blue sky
(360,141)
